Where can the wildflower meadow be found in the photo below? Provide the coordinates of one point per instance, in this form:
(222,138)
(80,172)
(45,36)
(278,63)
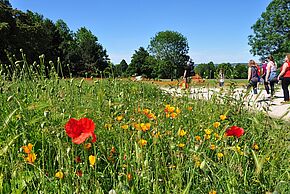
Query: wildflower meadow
(119,136)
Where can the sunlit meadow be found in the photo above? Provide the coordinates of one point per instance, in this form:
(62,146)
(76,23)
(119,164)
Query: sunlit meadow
(100,136)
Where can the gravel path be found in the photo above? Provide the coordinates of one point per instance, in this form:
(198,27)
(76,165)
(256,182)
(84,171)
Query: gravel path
(262,101)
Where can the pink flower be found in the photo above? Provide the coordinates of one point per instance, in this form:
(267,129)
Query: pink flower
(235,131)
(80,130)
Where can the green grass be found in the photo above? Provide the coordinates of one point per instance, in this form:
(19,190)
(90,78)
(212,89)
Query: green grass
(36,111)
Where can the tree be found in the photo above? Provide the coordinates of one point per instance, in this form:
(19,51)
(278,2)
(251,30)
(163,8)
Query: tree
(226,68)
(89,55)
(6,2)
(172,48)
(240,71)
(272,31)
(137,61)
(120,69)
(205,70)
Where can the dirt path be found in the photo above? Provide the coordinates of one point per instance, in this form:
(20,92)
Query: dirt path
(262,102)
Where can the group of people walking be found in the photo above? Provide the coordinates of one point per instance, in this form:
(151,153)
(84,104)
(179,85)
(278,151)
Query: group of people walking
(268,73)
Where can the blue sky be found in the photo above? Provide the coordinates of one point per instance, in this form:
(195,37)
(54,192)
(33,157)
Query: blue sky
(216,30)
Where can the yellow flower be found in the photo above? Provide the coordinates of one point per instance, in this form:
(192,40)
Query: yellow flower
(181,145)
(171,109)
(212,192)
(27,149)
(223,117)
(167,115)
(181,133)
(255,146)
(267,159)
(125,126)
(216,135)
(146,111)
(207,137)
(207,131)
(137,126)
(88,146)
(142,142)
(220,155)
(59,175)
(151,116)
(145,126)
(92,160)
(189,108)
(119,118)
(129,176)
(167,106)
(108,126)
(212,147)
(156,134)
(31,157)
(197,138)
(178,110)
(216,124)
(173,115)
(197,163)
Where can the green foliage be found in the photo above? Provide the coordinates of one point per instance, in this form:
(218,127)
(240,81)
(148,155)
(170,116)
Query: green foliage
(171,48)
(137,61)
(36,111)
(240,71)
(271,31)
(6,2)
(37,35)
(226,68)
(121,69)
(206,70)
(89,54)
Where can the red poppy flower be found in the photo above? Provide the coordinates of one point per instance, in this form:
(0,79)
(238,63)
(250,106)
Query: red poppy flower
(80,130)
(235,131)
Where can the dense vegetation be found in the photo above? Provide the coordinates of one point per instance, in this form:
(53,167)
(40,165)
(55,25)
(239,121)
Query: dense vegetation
(146,140)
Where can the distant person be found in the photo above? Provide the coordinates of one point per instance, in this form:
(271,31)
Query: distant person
(252,76)
(222,78)
(263,76)
(271,76)
(259,74)
(285,77)
(188,71)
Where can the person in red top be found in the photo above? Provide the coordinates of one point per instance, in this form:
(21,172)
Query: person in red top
(285,75)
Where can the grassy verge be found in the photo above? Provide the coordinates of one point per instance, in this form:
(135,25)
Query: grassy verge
(147,142)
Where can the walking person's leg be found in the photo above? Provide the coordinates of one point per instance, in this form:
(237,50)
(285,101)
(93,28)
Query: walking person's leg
(285,85)
(272,85)
(266,85)
(255,83)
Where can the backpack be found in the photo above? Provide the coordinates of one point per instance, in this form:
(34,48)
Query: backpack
(254,70)
(259,71)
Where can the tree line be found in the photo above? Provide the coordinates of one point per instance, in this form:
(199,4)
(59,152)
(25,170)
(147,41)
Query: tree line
(80,54)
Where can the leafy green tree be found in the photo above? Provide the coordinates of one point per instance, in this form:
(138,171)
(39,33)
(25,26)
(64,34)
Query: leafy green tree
(137,61)
(120,69)
(89,55)
(271,31)
(205,70)
(6,2)
(240,71)
(227,69)
(171,48)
